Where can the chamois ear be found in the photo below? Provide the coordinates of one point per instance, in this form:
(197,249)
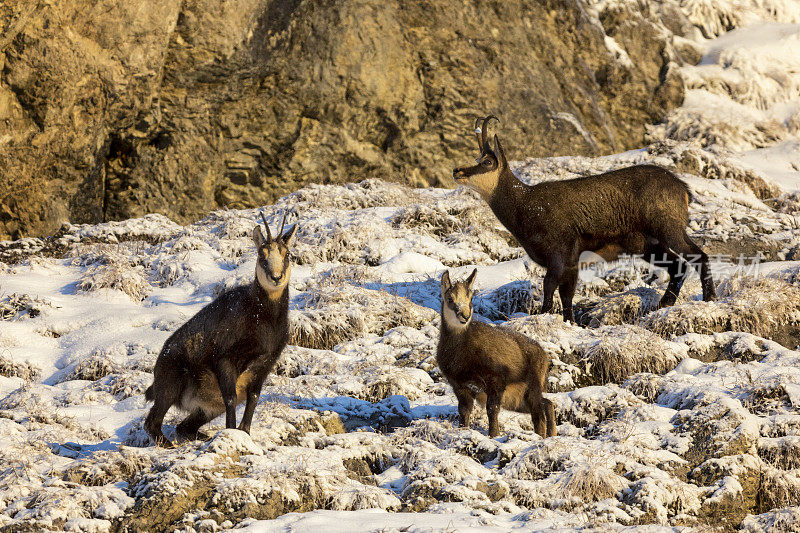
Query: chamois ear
(471,279)
(499,152)
(289,235)
(446,281)
(258,237)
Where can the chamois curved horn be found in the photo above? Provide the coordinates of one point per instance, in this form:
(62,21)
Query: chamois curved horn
(484,133)
(269,234)
(283,222)
(477,129)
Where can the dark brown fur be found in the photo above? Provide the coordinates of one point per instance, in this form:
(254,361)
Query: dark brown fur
(636,210)
(221,356)
(496,366)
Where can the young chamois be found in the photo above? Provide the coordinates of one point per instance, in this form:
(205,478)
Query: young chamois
(222,355)
(496,366)
(642,209)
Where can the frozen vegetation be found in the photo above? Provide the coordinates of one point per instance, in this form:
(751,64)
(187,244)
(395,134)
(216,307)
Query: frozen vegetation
(683,417)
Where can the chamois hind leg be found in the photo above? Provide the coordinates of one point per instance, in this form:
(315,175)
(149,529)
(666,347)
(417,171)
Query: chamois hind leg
(189,428)
(707,282)
(550,414)
(678,242)
(657,254)
(534,398)
(493,400)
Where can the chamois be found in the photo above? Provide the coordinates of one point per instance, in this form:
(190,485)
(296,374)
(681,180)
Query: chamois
(495,365)
(221,355)
(642,209)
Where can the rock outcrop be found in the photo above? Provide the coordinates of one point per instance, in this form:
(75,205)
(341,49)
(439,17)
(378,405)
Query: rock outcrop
(112,109)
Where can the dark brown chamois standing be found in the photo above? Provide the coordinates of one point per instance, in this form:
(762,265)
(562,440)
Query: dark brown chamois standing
(221,356)
(496,366)
(642,209)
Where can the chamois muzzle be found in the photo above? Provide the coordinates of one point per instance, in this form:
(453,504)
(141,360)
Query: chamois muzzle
(462,317)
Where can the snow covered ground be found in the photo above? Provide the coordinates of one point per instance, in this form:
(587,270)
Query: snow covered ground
(743,97)
(676,418)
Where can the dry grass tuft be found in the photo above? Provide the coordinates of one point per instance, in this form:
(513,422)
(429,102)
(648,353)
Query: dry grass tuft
(571,488)
(124,384)
(781,452)
(455,222)
(767,397)
(103,467)
(501,303)
(622,351)
(788,203)
(92,368)
(626,307)
(18,305)
(780,488)
(765,307)
(587,407)
(332,315)
(130,280)
(645,386)
(351,196)
(108,269)
(587,482)
(774,521)
(13,369)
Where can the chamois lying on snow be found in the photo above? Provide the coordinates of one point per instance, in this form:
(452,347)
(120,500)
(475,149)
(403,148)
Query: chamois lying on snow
(222,355)
(636,210)
(497,366)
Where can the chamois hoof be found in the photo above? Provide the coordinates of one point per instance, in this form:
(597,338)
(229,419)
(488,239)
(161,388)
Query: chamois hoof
(667,300)
(163,442)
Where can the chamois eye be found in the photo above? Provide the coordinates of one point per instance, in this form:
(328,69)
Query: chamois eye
(487,162)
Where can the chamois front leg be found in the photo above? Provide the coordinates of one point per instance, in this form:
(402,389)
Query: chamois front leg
(465,404)
(226,376)
(253,393)
(566,290)
(551,280)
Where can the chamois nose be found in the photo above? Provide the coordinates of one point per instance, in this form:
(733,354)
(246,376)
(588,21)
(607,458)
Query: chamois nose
(458,173)
(275,278)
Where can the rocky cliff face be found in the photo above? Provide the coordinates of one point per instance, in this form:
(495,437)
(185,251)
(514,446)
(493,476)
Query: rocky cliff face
(112,108)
